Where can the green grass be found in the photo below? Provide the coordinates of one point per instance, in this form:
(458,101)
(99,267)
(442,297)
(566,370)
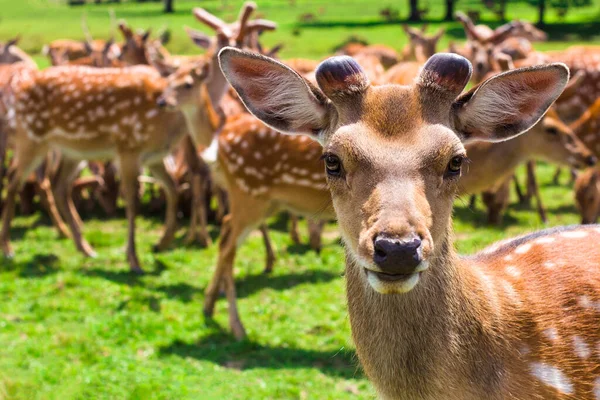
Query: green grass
(75,328)
(40,21)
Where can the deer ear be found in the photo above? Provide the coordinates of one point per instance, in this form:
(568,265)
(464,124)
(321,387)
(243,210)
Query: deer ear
(508,104)
(276,94)
(199,38)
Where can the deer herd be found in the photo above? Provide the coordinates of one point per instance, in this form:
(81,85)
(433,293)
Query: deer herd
(380,140)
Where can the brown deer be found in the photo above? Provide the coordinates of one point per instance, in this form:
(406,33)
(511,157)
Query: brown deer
(263,172)
(587,195)
(99,58)
(518,320)
(10,54)
(99,114)
(420,46)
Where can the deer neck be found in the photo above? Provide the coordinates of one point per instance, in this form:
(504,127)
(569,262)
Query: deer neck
(202,119)
(216,84)
(492,162)
(414,345)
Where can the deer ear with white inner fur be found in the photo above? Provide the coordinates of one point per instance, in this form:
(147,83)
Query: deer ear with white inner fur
(276,94)
(508,104)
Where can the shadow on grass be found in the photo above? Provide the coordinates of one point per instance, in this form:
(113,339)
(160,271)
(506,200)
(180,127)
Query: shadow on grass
(301,248)
(563,209)
(221,348)
(180,291)
(125,277)
(478,218)
(250,284)
(39,266)
(280,223)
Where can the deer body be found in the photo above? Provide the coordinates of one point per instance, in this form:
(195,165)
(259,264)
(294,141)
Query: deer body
(489,336)
(549,140)
(90,113)
(426,323)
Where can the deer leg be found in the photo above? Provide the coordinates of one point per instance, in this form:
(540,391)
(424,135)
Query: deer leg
(496,202)
(198,217)
(221,202)
(315,229)
(522,197)
(268,248)
(535,190)
(294,233)
(129,181)
(28,156)
(161,174)
(236,225)
(47,197)
(556,176)
(531,181)
(3,144)
(199,172)
(109,192)
(472,201)
(67,172)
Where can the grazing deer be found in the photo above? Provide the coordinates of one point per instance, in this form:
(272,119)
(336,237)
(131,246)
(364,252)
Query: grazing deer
(492,165)
(99,114)
(518,320)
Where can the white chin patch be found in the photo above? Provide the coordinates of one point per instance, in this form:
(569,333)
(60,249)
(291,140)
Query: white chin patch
(390,287)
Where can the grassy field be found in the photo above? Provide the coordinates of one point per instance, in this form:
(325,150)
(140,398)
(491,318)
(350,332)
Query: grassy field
(74,328)
(40,21)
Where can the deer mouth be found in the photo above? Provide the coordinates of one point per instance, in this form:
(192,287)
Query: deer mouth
(390,277)
(384,283)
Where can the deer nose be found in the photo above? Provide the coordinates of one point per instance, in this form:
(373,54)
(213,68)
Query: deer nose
(591,160)
(397,256)
(479,66)
(161,102)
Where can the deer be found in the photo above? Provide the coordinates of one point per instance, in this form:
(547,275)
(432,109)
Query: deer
(587,195)
(87,113)
(492,165)
(262,172)
(420,46)
(10,54)
(516,320)
(99,58)
(142,137)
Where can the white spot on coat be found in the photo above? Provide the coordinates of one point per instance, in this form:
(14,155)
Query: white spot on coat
(552,376)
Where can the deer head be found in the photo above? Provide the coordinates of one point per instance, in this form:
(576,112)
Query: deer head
(393,154)
(133,50)
(183,86)
(424,46)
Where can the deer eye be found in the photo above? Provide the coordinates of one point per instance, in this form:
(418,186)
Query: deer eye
(454,167)
(333,165)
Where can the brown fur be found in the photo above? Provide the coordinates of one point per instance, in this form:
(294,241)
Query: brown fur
(86,113)
(496,326)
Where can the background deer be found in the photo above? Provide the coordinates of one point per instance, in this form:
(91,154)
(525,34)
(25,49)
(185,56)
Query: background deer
(409,294)
(66,108)
(263,172)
